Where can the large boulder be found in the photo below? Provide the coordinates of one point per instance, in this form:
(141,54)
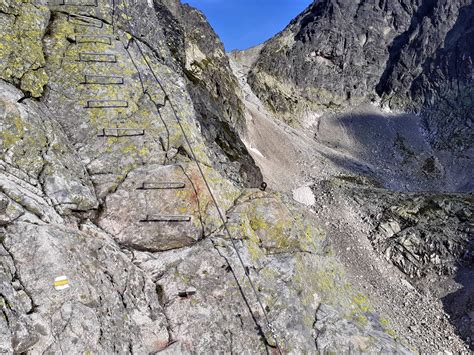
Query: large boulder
(165,207)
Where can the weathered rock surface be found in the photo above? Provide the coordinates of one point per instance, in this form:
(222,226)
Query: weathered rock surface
(294,276)
(133,212)
(416,247)
(369,103)
(404,55)
(37,159)
(110,306)
(97,111)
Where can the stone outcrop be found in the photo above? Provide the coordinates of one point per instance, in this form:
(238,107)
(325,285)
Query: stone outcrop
(214,90)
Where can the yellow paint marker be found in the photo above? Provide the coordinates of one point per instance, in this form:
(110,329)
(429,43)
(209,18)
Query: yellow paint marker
(61,283)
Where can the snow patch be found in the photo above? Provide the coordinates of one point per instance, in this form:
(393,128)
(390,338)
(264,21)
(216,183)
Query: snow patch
(304,195)
(310,119)
(252,149)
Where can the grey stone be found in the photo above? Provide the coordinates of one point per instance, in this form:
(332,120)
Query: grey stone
(98,184)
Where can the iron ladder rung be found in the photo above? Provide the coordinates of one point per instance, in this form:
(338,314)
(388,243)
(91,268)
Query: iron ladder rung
(121,132)
(106,104)
(97,57)
(103,39)
(162,218)
(162,186)
(85,21)
(103,79)
(72,3)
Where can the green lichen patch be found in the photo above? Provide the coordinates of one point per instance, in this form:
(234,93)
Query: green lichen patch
(326,278)
(387,327)
(34,81)
(272,226)
(21,49)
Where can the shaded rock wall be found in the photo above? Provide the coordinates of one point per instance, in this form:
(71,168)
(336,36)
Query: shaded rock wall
(214,91)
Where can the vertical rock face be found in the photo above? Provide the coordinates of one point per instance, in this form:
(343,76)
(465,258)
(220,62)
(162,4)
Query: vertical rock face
(118,119)
(214,91)
(431,67)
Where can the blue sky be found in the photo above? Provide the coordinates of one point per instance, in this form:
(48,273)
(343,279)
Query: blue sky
(245,23)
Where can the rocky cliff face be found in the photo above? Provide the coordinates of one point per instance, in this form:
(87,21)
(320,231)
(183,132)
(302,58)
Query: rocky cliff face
(344,52)
(407,56)
(118,118)
(214,91)
(412,55)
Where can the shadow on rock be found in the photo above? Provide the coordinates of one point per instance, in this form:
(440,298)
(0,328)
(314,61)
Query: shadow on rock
(460,304)
(391,148)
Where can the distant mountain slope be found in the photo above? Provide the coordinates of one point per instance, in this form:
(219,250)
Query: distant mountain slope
(412,55)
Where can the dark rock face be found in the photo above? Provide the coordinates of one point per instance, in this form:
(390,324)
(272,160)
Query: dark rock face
(410,230)
(431,66)
(337,47)
(433,54)
(214,90)
(413,55)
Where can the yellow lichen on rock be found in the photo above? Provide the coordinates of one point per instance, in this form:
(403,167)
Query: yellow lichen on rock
(22,28)
(56,42)
(273,225)
(34,81)
(20,143)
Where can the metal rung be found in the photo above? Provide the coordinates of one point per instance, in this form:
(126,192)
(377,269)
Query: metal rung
(97,57)
(121,132)
(188,292)
(81,3)
(94,39)
(85,21)
(103,79)
(162,186)
(157,218)
(72,3)
(106,104)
